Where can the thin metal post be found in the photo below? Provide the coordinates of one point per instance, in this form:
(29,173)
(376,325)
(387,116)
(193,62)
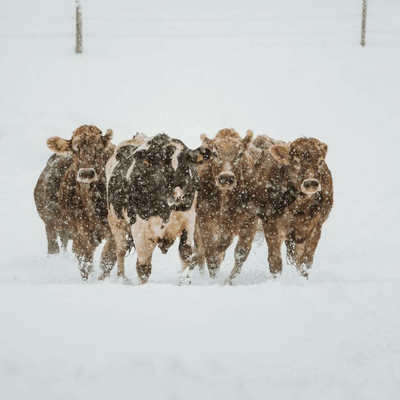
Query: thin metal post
(78,44)
(364,22)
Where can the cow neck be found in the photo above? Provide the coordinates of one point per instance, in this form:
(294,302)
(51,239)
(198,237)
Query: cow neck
(93,198)
(302,202)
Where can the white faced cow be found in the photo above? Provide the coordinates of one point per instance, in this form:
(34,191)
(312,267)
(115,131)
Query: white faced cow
(152,190)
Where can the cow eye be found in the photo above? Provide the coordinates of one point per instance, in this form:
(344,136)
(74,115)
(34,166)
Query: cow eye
(321,162)
(240,153)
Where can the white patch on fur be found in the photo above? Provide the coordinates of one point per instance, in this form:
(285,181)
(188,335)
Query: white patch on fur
(128,174)
(178,194)
(111,164)
(138,140)
(175,156)
(146,234)
(144,146)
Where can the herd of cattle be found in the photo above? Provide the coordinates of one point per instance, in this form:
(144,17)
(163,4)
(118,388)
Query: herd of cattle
(147,191)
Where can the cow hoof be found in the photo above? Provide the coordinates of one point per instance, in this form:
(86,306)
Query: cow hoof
(228,282)
(123,280)
(185,281)
(103,276)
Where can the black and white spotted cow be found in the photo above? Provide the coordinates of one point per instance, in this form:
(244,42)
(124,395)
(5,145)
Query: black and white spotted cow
(152,189)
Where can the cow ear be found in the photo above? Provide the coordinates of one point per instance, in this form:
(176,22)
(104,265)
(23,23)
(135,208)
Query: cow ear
(324,149)
(59,145)
(107,137)
(280,153)
(248,139)
(205,140)
(199,155)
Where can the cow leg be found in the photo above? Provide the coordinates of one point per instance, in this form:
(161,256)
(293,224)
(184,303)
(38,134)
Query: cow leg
(274,236)
(304,252)
(187,256)
(84,251)
(206,232)
(243,248)
(52,244)
(214,260)
(215,254)
(108,258)
(225,241)
(119,231)
(144,256)
(64,237)
(199,249)
(145,245)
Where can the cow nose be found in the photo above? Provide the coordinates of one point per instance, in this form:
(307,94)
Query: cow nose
(310,186)
(86,175)
(226,178)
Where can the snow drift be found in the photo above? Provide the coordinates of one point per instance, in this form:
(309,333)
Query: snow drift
(282,68)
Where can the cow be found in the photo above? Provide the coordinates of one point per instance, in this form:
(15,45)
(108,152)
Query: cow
(295,197)
(152,191)
(226,206)
(71,196)
(46,200)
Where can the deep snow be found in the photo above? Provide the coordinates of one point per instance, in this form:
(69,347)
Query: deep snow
(285,68)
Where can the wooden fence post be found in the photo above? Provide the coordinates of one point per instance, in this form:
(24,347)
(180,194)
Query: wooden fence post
(364,22)
(78,44)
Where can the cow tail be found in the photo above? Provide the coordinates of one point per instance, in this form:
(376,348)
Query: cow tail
(130,244)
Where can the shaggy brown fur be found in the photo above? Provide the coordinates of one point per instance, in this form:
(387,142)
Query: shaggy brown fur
(226,206)
(77,184)
(46,200)
(295,198)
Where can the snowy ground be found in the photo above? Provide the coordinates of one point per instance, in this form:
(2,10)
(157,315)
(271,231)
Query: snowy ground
(285,68)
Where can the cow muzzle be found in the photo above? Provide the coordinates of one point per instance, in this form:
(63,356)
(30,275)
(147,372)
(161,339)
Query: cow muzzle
(87,175)
(310,186)
(226,180)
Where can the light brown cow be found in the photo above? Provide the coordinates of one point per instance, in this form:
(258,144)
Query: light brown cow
(81,194)
(226,206)
(295,197)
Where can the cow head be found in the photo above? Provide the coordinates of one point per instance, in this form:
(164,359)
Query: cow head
(228,150)
(89,150)
(163,173)
(304,160)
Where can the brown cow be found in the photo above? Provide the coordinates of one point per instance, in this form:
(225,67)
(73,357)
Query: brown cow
(46,200)
(80,192)
(226,206)
(295,198)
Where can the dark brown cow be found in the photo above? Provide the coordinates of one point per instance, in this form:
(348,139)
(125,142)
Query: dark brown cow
(226,206)
(76,188)
(295,198)
(46,199)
